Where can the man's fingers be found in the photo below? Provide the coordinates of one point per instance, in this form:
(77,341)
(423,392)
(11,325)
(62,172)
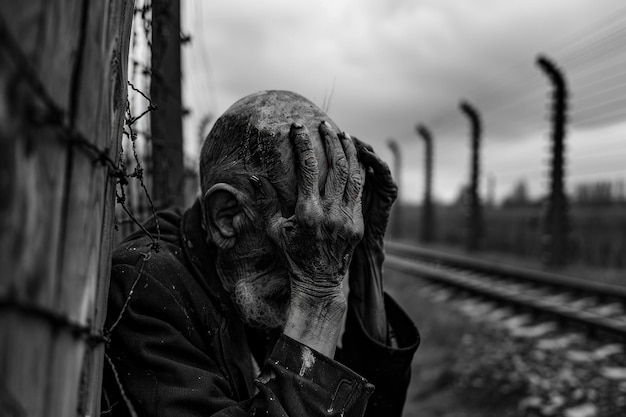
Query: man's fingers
(307,168)
(381,174)
(370,159)
(354,183)
(308,207)
(337,165)
(359,144)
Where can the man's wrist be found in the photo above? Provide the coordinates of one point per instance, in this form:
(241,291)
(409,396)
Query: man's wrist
(316,322)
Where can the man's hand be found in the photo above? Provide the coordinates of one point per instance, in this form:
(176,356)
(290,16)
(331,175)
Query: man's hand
(366,278)
(317,242)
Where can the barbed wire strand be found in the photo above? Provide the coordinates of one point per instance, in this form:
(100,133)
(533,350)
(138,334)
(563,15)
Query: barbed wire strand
(146,256)
(138,172)
(116,375)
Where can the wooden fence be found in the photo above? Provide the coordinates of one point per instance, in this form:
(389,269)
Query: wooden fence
(63,90)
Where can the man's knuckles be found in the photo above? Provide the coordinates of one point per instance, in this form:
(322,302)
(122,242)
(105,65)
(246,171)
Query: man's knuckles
(355,233)
(309,214)
(335,222)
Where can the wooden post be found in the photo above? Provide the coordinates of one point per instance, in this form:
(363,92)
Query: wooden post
(427,229)
(165,91)
(62,101)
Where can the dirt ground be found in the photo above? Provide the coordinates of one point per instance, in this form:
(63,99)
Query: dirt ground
(481,360)
(434,389)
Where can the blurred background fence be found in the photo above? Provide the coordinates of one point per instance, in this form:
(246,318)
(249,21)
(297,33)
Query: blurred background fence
(574,219)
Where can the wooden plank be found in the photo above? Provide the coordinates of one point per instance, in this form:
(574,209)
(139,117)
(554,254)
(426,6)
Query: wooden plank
(58,52)
(23,376)
(166,124)
(47,33)
(85,262)
(24,24)
(57,220)
(32,166)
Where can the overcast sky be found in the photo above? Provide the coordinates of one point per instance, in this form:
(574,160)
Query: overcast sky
(382,66)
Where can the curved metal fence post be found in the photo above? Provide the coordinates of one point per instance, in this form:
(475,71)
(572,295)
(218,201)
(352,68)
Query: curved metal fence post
(396,219)
(556,227)
(427,229)
(474,222)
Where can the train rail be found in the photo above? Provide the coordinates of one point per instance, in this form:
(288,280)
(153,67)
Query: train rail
(601,308)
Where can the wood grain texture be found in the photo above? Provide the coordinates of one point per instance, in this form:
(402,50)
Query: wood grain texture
(32,168)
(57,222)
(165,89)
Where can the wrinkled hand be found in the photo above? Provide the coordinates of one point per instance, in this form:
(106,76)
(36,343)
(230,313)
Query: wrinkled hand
(366,277)
(317,242)
(379,194)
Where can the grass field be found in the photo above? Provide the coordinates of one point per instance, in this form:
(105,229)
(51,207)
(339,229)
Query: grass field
(598,236)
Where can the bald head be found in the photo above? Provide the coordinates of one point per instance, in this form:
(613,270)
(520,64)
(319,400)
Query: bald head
(252,138)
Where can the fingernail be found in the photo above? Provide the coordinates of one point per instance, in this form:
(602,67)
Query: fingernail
(256,182)
(298,125)
(327,124)
(346,135)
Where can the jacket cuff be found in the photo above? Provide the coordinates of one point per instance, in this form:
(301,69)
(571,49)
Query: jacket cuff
(296,370)
(368,353)
(387,367)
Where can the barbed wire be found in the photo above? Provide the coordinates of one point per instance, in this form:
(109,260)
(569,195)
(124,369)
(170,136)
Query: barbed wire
(54,117)
(138,171)
(51,115)
(595,52)
(116,375)
(143,19)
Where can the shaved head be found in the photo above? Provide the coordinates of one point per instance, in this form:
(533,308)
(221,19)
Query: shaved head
(252,138)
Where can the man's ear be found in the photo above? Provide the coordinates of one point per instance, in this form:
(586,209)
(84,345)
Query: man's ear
(224,214)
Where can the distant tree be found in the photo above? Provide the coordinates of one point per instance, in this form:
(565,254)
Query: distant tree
(598,193)
(619,192)
(518,197)
(462,196)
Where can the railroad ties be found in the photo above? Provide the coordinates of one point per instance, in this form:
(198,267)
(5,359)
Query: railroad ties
(571,302)
(558,342)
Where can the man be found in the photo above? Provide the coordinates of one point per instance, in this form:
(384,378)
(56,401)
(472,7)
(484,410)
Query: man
(235,306)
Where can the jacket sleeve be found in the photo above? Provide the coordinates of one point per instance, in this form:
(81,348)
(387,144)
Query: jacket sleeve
(305,383)
(157,365)
(387,368)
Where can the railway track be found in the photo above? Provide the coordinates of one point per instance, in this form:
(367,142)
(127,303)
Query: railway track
(601,308)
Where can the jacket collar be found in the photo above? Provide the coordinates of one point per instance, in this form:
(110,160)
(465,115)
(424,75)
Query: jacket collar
(202,257)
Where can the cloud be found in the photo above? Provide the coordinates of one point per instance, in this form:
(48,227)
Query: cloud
(388,65)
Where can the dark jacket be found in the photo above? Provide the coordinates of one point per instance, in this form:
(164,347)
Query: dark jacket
(179,348)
